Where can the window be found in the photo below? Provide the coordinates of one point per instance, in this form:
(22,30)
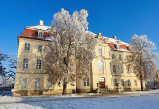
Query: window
(27,46)
(122,82)
(133,69)
(110,67)
(24,83)
(118,46)
(114,69)
(115,82)
(38,64)
(127,69)
(49,84)
(126,57)
(37,83)
(129,84)
(39,48)
(113,56)
(119,56)
(86,81)
(25,64)
(135,82)
(100,51)
(100,65)
(40,35)
(111,82)
(109,53)
(121,69)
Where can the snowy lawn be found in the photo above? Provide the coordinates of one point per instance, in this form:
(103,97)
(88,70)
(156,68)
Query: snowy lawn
(68,102)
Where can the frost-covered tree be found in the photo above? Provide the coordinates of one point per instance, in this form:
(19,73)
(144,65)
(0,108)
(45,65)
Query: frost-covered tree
(9,70)
(141,57)
(71,49)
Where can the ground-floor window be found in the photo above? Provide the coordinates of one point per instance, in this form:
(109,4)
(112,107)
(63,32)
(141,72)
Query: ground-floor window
(86,81)
(24,83)
(135,82)
(122,82)
(49,84)
(111,82)
(129,83)
(37,83)
(115,82)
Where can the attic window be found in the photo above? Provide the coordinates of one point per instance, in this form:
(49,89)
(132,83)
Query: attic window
(40,34)
(118,46)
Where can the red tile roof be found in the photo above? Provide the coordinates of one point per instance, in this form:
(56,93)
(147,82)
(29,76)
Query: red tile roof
(28,33)
(113,46)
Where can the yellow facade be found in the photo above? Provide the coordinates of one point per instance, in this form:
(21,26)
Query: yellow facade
(102,74)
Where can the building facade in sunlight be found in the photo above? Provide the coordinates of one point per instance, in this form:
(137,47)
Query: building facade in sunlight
(108,71)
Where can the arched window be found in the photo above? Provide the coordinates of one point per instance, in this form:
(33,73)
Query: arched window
(100,65)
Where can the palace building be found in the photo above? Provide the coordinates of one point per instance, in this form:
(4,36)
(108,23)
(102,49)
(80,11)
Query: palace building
(108,70)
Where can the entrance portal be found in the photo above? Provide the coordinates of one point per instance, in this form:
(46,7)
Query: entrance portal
(102,82)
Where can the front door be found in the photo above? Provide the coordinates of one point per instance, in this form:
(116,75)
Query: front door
(102,82)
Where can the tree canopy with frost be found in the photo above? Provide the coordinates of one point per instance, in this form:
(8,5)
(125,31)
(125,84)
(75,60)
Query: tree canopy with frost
(9,70)
(71,49)
(142,58)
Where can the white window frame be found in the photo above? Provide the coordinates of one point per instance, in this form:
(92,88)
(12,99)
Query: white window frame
(24,83)
(27,46)
(115,82)
(114,68)
(112,82)
(121,69)
(100,65)
(113,56)
(38,64)
(40,34)
(127,69)
(37,83)
(25,63)
(133,69)
(120,57)
(99,51)
(122,82)
(40,48)
(129,82)
(49,84)
(110,66)
(135,82)
(86,81)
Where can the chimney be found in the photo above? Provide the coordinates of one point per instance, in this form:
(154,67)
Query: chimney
(114,37)
(41,22)
(99,34)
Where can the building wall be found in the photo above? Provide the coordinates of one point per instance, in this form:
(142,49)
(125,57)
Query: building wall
(107,73)
(32,73)
(95,75)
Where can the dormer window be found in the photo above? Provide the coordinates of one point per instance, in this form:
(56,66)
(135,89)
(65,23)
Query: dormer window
(40,34)
(118,46)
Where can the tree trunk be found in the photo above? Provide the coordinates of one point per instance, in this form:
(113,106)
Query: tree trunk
(141,81)
(64,87)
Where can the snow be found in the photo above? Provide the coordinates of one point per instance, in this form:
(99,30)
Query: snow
(111,40)
(75,101)
(39,27)
(143,92)
(137,102)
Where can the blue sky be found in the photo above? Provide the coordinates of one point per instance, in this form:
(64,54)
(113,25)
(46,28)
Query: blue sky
(122,18)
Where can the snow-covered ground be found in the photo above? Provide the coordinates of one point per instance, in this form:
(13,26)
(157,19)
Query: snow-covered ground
(150,101)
